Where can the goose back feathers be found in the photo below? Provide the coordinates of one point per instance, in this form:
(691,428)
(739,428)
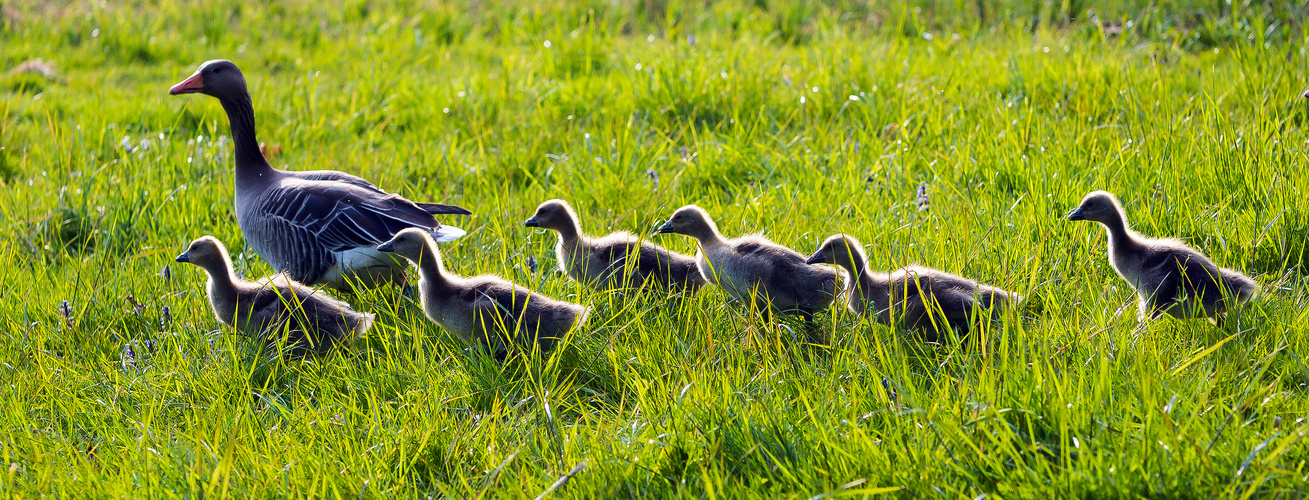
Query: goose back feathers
(275,309)
(317,226)
(617,260)
(929,300)
(1169,277)
(484,309)
(755,269)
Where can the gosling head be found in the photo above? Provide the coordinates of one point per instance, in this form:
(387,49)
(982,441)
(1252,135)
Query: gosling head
(206,252)
(555,215)
(842,250)
(218,78)
(689,220)
(408,243)
(1098,206)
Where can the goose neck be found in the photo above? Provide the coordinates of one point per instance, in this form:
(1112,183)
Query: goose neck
(570,235)
(430,266)
(859,277)
(1119,234)
(710,238)
(250,162)
(222,280)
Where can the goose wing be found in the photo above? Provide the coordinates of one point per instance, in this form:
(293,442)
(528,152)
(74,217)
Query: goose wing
(1183,273)
(334,176)
(787,273)
(301,224)
(496,312)
(614,253)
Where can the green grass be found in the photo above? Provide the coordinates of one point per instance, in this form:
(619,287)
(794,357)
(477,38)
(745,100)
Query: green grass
(786,118)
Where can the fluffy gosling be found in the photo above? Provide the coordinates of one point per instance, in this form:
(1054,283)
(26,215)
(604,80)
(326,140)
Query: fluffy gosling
(755,269)
(605,262)
(276,309)
(1169,276)
(929,300)
(485,309)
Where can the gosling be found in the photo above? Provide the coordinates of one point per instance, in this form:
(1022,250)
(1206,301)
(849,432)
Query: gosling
(276,309)
(754,269)
(1169,276)
(604,262)
(485,309)
(928,300)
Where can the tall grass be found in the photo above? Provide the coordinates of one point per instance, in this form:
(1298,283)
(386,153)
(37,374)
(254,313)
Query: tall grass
(794,119)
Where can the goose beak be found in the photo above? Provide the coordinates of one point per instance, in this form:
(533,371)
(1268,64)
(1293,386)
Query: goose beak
(666,228)
(183,258)
(386,247)
(191,85)
(531,222)
(1076,214)
(814,259)
(1306,94)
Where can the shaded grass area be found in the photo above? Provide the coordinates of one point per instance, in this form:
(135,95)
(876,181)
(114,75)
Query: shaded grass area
(794,119)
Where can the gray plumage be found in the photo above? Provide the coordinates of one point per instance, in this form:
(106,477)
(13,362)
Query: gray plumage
(607,261)
(317,226)
(1169,277)
(929,300)
(275,309)
(754,269)
(484,309)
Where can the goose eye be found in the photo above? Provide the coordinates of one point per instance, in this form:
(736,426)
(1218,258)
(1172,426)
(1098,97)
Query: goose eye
(218,70)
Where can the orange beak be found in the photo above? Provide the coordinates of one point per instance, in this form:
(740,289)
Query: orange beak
(191,85)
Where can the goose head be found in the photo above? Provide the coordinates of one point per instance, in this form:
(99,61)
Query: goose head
(555,215)
(206,252)
(408,243)
(218,78)
(1098,206)
(842,250)
(690,220)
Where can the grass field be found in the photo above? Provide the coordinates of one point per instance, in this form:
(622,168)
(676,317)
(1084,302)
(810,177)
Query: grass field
(793,119)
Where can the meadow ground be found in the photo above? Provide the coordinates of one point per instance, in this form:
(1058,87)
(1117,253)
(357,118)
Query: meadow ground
(794,119)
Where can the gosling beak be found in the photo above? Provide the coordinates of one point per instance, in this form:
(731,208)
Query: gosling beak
(1306,94)
(183,258)
(814,259)
(666,228)
(386,247)
(1076,214)
(191,85)
(531,222)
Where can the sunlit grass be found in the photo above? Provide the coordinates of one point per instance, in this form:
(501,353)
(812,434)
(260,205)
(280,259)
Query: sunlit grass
(783,118)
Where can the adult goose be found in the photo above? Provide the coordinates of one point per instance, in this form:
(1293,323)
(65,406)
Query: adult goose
(929,300)
(754,269)
(276,309)
(483,309)
(616,260)
(317,226)
(1169,276)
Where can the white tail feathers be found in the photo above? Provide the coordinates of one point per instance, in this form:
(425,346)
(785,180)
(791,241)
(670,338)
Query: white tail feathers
(364,324)
(582,317)
(446,233)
